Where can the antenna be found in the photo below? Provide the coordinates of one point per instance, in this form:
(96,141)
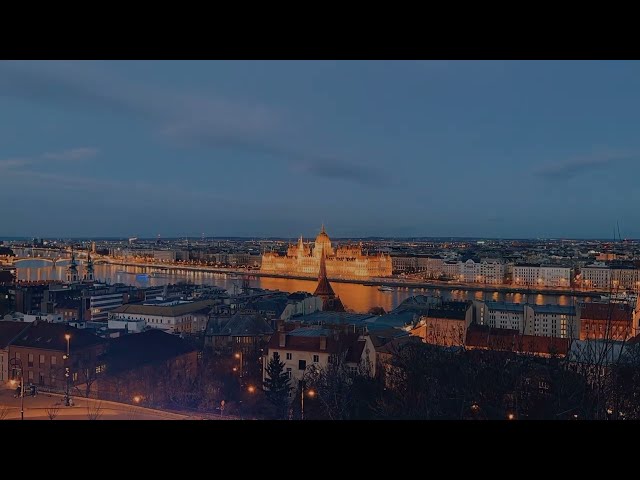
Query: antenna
(619,236)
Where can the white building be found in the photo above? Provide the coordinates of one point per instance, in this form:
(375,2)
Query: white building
(176,317)
(301,303)
(432,266)
(131,326)
(101,304)
(596,275)
(164,255)
(29,318)
(542,275)
(540,320)
(307,348)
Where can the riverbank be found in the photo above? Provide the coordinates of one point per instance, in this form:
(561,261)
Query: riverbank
(389,282)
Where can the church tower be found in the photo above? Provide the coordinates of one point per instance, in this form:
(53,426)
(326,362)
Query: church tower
(72,269)
(89,269)
(330,301)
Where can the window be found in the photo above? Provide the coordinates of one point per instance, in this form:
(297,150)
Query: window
(302,365)
(30,361)
(41,360)
(30,375)
(289,356)
(289,372)
(41,379)
(75,376)
(316,358)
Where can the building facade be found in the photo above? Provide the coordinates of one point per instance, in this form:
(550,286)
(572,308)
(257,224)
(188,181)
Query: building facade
(307,348)
(176,317)
(534,275)
(346,261)
(536,320)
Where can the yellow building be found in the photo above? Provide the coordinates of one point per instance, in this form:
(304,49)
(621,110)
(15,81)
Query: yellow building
(346,261)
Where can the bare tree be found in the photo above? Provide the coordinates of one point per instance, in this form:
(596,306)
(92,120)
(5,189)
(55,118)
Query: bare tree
(94,410)
(52,412)
(4,412)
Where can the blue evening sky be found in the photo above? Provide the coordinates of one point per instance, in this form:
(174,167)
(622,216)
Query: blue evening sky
(275,148)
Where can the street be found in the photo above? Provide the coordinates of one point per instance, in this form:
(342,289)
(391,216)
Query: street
(44,406)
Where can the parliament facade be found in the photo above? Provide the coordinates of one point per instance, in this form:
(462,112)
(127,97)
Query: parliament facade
(346,261)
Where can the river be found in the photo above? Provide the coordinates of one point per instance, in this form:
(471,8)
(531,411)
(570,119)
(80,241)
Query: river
(359,298)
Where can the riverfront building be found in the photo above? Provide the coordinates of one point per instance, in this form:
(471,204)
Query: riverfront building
(345,261)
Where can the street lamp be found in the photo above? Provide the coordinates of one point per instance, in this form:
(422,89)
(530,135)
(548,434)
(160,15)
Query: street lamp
(251,389)
(67,371)
(137,398)
(16,364)
(311,394)
(238,355)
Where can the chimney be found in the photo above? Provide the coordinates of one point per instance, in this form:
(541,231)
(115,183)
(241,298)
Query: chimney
(323,342)
(283,339)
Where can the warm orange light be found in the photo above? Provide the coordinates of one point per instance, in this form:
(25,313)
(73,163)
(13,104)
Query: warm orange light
(251,389)
(12,382)
(67,336)
(511,416)
(312,393)
(237,355)
(137,399)
(235,369)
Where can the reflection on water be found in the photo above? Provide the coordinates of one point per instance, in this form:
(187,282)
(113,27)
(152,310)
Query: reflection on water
(359,298)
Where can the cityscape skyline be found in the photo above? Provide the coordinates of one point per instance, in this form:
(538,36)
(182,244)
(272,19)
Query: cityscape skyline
(439,149)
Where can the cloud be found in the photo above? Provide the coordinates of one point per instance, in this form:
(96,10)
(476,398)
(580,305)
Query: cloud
(575,166)
(340,170)
(187,119)
(13,163)
(17,165)
(74,154)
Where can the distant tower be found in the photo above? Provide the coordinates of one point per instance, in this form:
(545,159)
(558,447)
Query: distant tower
(330,301)
(72,270)
(93,247)
(89,269)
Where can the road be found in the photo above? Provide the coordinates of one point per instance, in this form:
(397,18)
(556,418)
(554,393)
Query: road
(44,405)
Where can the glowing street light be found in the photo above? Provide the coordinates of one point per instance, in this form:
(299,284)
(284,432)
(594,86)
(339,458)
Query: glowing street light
(511,416)
(251,389)
(137,399)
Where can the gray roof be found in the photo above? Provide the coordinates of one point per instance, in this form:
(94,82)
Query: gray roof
(506,306)
(311,332)
(339,318)
(559,309)
(394,319)
(239,325)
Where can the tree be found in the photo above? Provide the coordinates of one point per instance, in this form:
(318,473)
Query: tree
(277,386)
(376,311)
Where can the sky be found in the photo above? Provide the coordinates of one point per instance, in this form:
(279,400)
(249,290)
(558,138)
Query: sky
(498,149)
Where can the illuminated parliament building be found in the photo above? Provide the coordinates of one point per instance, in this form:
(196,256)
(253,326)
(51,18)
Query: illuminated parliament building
(346,261)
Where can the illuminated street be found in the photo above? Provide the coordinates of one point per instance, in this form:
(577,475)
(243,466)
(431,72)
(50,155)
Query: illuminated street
(43,406)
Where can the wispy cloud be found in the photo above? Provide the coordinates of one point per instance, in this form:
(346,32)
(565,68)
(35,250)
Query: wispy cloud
(568,169)
(74,154)
(339,170)
(187,119)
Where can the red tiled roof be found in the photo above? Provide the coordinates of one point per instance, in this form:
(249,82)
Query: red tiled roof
(482,336)
(617,312)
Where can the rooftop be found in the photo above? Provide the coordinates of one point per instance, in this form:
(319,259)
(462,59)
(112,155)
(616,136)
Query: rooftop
(51,336)
(9,330)
(164,311)
(135,350)
(239,325)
